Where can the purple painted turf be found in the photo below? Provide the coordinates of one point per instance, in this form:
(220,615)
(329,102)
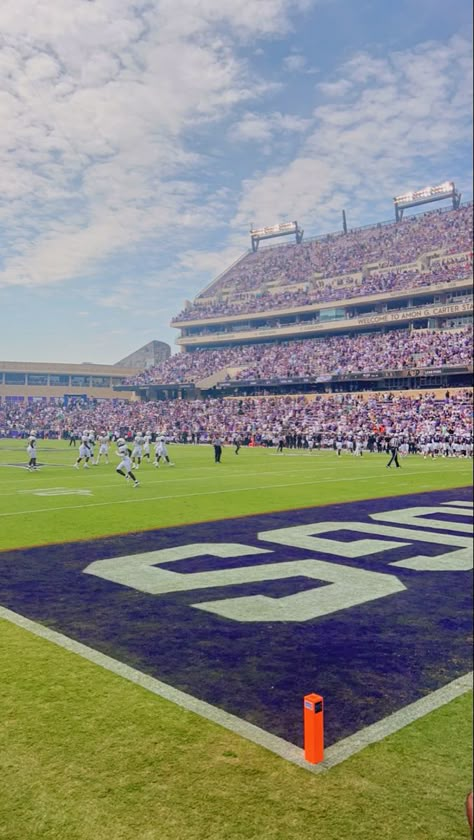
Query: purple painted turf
(366,661)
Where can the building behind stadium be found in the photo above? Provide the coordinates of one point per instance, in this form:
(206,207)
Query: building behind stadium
(33,381)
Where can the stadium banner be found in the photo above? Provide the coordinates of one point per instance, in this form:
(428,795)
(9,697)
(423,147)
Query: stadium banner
(415,314)
(395,316)
(437,288)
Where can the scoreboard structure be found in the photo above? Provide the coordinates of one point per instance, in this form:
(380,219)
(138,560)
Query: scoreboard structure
(274,231)
(425,196)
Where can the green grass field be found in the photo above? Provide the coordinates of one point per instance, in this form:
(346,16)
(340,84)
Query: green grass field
(85,754)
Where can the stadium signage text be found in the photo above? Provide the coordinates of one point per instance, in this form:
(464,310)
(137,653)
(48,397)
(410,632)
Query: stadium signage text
(400,315)
(346,585)
(422,312)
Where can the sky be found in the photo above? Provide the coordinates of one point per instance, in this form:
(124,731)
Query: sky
(140,139)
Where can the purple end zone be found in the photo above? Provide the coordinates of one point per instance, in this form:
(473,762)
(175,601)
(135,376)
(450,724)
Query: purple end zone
(367,660)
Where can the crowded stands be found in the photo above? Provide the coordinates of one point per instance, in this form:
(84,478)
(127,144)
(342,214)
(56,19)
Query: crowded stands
(372,284)
(260,420)
(383,259)
(397,349)
(263,280)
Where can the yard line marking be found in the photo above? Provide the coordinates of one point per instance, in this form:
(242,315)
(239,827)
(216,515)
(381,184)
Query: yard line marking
(96,486)
(148,529)
(334,755)
(435,466)
(137,499)
(299,471)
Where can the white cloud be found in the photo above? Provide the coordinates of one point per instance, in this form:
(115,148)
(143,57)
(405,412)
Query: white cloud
(265,128)
(335,89)
(391,125)
(100,106)
(212,263)
(97,102)
(294,63)
(391,132)
(270,17)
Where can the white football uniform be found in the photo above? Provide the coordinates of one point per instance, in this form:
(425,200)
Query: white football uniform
(126,461)
(31,449)
(103,442)
(161,450)
(137,450)
(104,445)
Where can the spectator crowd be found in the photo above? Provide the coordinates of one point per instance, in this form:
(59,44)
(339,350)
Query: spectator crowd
(313,268)
(261,420)
(245,287)
(313,357)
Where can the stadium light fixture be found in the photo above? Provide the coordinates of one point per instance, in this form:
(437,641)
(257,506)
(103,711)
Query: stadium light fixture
(439,192)
(273,231)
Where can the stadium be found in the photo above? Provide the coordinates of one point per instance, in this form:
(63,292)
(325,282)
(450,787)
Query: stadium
(159,679)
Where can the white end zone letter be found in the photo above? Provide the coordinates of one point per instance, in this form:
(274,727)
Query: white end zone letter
(347,587)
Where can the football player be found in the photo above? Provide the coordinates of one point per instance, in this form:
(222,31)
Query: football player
(84,452)
(161,451)
(31,450)
(137,451)
(125,466)
(103,448)
(146,445)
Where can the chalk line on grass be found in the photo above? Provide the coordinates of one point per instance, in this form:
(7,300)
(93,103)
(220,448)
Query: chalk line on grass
(334,755)
(137,499)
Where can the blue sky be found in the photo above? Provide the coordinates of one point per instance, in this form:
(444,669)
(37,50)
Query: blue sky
(140,140)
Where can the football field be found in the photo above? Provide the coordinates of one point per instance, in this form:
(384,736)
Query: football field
(156,644)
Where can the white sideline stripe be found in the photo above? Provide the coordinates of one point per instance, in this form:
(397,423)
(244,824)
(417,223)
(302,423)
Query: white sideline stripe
(96,487)
(334,755)
(398,720)
(352,462)
(153,472)
(186,468)
(206,493)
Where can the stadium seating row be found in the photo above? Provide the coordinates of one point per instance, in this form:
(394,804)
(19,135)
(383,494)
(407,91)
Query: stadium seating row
(420,416)
(418,252)
(396,349)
